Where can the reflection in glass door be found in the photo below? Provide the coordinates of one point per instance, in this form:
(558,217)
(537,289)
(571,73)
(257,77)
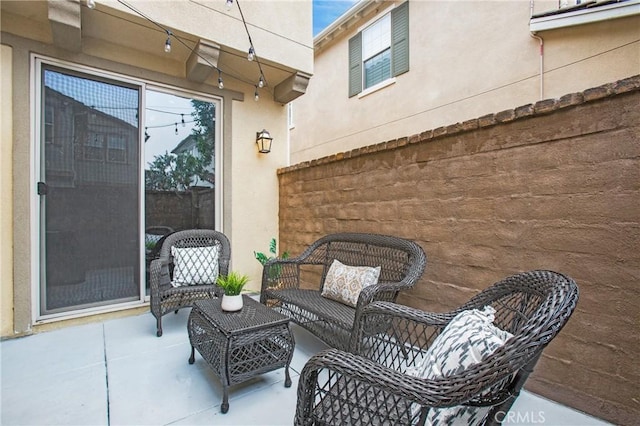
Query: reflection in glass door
(89,192)
(179,158)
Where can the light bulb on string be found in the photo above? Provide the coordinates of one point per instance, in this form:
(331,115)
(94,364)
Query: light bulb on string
(229,3)
(183,123)
(220,83)
(91,4)
(256,96)
(176,128)
(167,44)
(146,135)
(252,54)
(261,82)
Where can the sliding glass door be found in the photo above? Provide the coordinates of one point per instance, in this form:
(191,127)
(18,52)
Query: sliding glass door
(121,165)
(180,174)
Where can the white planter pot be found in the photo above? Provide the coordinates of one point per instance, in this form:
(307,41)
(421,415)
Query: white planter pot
(231,303)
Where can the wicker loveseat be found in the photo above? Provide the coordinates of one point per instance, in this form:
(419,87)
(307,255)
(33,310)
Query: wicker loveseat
(294,286)
(463,377)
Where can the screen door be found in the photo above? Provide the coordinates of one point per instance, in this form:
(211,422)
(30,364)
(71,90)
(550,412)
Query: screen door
(88,191)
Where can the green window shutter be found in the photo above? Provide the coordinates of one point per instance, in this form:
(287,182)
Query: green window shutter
(400,39)
(355,65)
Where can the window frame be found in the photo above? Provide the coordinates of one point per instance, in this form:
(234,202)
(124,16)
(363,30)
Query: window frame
(113,149)
(94,145)
(377,53)
(290,122)
(399,50)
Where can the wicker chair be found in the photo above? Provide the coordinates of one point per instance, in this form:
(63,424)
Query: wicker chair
(165,297)
(371,387)
(294,286)
(154,233)
(154,236)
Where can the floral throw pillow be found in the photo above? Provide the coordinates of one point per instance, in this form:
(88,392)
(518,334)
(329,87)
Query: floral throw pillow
(344,283)
(470,338)
(194,265)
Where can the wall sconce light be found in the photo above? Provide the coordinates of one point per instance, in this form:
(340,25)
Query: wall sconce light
(263,140)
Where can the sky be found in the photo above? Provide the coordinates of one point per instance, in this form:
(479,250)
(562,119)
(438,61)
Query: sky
(163,117)
(327,11)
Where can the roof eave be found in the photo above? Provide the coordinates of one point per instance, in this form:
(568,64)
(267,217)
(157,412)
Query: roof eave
(343,22)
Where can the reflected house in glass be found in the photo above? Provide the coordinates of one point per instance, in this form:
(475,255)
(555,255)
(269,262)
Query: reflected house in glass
(91,163)
(85,145)
(180,187)
(189,145)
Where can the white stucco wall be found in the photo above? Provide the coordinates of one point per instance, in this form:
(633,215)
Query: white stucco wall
(272,24)
(254,217)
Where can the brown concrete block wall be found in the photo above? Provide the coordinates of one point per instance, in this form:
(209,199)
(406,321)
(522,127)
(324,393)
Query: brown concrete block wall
(553,185)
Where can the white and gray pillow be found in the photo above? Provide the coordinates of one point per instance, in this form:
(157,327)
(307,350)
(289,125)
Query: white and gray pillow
(194,265)
(469,339)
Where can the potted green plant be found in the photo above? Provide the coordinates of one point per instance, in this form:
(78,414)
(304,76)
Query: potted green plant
(274,271)
(232,284)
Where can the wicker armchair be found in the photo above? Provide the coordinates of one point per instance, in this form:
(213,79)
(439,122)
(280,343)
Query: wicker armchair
(154,233)
(372,387)
(154,236)
(294,286)
(164,296)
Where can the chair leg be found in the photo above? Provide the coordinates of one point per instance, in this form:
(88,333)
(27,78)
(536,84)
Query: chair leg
(159,326)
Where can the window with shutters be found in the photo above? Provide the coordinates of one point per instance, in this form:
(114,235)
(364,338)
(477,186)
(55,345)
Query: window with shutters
(380,51)
(376,51)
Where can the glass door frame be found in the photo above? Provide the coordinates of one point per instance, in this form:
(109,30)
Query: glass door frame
(37,175)
(217,154)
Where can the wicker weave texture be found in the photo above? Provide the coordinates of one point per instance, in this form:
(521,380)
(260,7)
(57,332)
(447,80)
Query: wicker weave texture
(240,345)
(370,386)
(293,286)
(164,297)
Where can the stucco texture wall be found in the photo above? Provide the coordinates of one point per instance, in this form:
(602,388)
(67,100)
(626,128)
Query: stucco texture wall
(6,197)
(551,185)
(467,59)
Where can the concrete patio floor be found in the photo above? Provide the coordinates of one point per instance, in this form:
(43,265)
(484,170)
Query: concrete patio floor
(119,373)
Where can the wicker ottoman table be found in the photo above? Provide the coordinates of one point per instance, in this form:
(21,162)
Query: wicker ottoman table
(240,345)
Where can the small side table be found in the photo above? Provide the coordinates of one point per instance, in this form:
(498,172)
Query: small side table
(240,345)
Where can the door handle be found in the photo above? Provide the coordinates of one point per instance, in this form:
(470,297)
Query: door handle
(42,188)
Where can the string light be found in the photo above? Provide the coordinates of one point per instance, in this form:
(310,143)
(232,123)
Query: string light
(176,128)
(229,4)
(251,53)
(256,96)
(183,123)
(261,82)
(167,44)
(146,135)
(160,126)
(91,4)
